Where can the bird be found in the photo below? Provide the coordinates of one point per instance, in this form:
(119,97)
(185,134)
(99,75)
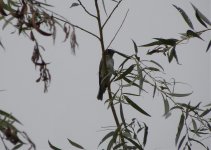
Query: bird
(105,74)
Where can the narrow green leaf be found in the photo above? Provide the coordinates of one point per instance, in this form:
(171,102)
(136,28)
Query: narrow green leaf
(122,115)
(104,7)
(179,94)
(152,68)
(113,140)
(151,44)
(5,114)
(74,5)
(166,106)
(118,146)
(199,19)
(172,55)
(181,142)
(17,146)
(202,16)
(1,44)
(134,105)
(156,63)
(154,91)
(145,134)
(135,47)
(128,71)
(209,45)
(171,42)
(205,112)
(134,143)
(189,148)
(185,17)
(209,126)
(180,126)
(191,139)
(75,144)
(53,147)
(190,33)
(7,22)
(195,128)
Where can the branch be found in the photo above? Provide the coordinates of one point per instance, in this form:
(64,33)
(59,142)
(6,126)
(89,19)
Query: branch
(66,21)
(78,27)
(86,10)
(111,13)
(118,29)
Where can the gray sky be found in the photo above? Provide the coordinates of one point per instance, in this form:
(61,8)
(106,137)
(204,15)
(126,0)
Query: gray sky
(70,108)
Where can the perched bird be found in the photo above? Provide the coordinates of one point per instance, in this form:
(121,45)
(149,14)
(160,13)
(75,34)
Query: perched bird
(105,74)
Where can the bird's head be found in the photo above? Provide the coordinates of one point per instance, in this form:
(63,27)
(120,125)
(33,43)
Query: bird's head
(110,52)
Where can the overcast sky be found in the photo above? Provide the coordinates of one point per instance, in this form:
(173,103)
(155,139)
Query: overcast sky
(70,108)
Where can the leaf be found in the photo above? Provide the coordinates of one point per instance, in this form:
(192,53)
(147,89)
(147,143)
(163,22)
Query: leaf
(152,68)
(194,126)
(205,112)
(185,17)
(128,71)
(75,144)
(134,143)
(181,141)
(172,55)
(190,33)
(199,19)
(104,7)
(154,91)
(179,94)
(7,21)
(166,106)
(135,47)
(118,146)
(208,47)
(110,134)
(145,134)
(9,116)
(113,140)
(17,146)
(180,126)
(202,16)
(1,44)
(171,42)
(156,63)
(134,105)
(52,146)
(197,142)
(122,115)
(151,44)
(74,5)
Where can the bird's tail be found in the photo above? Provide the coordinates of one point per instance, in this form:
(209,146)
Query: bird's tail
(100,94)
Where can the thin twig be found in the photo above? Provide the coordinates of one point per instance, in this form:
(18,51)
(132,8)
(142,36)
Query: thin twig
(118,29)
(76,26)
(86,9)
(63,19)
(111,13)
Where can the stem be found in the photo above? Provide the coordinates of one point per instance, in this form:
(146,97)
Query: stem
(86,9)
(104,63)
(104,60)
(111,13)
(118,29)
(78,27)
